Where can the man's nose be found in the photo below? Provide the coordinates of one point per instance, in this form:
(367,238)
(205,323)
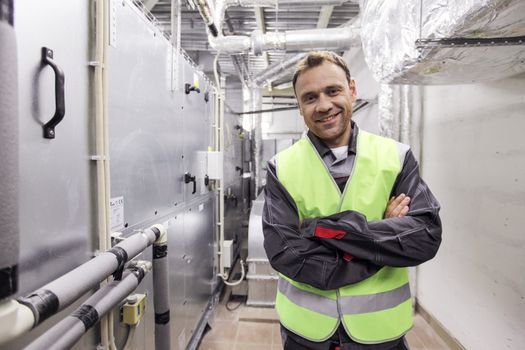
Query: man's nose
(324,103)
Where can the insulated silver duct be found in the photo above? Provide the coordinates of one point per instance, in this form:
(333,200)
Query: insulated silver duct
(304,40)
(291,40)
(277,70)
(443,42)
(9,225)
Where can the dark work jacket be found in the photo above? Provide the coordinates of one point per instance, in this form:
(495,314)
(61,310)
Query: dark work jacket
(297,253)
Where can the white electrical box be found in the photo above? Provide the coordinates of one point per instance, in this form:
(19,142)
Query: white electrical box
(227,253)
(215,165)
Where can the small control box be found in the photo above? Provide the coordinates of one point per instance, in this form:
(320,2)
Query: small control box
(133,310)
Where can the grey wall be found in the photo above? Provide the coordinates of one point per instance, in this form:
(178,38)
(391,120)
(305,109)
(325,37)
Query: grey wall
(473,158)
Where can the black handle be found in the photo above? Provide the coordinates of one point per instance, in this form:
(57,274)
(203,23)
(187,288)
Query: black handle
(206,180)
(60,103)
(188,178)
(239,169)
(189,88)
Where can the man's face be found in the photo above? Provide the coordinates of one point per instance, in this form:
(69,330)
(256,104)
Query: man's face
(325,100)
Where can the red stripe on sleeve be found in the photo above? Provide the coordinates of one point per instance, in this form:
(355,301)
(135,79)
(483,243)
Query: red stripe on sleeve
(323,232)
(347,257)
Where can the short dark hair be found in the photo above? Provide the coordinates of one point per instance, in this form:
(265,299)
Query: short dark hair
(316,58)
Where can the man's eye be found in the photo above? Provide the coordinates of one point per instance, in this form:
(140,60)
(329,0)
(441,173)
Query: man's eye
(333,92)
(309,98)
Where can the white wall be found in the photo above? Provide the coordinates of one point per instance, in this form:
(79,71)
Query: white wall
(473,158)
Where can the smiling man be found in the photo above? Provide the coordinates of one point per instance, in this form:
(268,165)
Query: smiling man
(337,223)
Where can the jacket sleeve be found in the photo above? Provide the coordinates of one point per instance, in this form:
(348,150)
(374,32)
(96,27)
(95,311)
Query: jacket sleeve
(300,258)
(405,241)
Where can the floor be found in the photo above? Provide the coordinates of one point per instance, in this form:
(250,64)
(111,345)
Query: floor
(257,328)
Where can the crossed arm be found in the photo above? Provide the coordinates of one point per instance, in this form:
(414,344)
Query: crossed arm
(308,256)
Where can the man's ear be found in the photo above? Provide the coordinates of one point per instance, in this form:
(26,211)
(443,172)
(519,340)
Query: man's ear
(351,86)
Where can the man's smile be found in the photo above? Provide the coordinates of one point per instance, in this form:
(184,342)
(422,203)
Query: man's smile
(328,118)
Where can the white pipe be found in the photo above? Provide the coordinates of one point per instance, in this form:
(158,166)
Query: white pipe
(15,320)
(219,146)
(100,43)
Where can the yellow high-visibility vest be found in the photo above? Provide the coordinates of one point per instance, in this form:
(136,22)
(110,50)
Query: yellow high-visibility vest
(377,309)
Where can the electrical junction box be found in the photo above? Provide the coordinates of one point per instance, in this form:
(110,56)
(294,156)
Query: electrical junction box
(227,253)
(134,308)
(215,164)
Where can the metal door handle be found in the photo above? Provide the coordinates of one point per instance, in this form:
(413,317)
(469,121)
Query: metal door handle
(60,104)
(188,178)
(189,88)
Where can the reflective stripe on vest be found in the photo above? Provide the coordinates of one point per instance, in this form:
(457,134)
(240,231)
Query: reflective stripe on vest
(377,309)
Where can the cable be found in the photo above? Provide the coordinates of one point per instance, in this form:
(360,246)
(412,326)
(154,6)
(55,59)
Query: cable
(129,338)
(236,283)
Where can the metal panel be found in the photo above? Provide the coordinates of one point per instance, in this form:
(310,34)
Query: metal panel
(199,272)
(197,125)
(55,196)
(144,120)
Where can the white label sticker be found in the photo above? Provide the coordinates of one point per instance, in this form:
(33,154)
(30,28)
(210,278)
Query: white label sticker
(116,207)
(201,207)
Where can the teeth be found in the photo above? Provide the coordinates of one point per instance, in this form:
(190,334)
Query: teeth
(328,118)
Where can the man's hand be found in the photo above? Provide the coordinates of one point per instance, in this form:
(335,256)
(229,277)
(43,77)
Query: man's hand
(397,206)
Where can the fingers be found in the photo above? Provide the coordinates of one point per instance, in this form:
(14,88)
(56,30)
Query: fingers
(398,206)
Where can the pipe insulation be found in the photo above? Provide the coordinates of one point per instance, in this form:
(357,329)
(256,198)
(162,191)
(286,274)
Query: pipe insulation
(277,70)
(161,292)
(305,40)
(291,40)
(443,42)
(9,224)
(62,292)
(68,331)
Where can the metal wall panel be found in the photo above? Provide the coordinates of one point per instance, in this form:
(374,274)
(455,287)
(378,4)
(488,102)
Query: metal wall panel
(55,200)
(55,175)
(199,239)
(144,120)
(156,135)
(197,125)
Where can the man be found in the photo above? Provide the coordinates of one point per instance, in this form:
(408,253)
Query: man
(340,245)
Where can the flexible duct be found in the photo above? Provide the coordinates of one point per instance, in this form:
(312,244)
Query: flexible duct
(443,42)
(9,225)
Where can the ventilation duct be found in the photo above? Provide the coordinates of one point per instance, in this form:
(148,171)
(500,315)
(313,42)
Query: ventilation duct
(292,40)
(277,70)
(443,42)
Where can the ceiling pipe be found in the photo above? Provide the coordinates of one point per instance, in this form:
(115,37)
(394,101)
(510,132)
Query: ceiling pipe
(277,70)
(291,40)
(309,39)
